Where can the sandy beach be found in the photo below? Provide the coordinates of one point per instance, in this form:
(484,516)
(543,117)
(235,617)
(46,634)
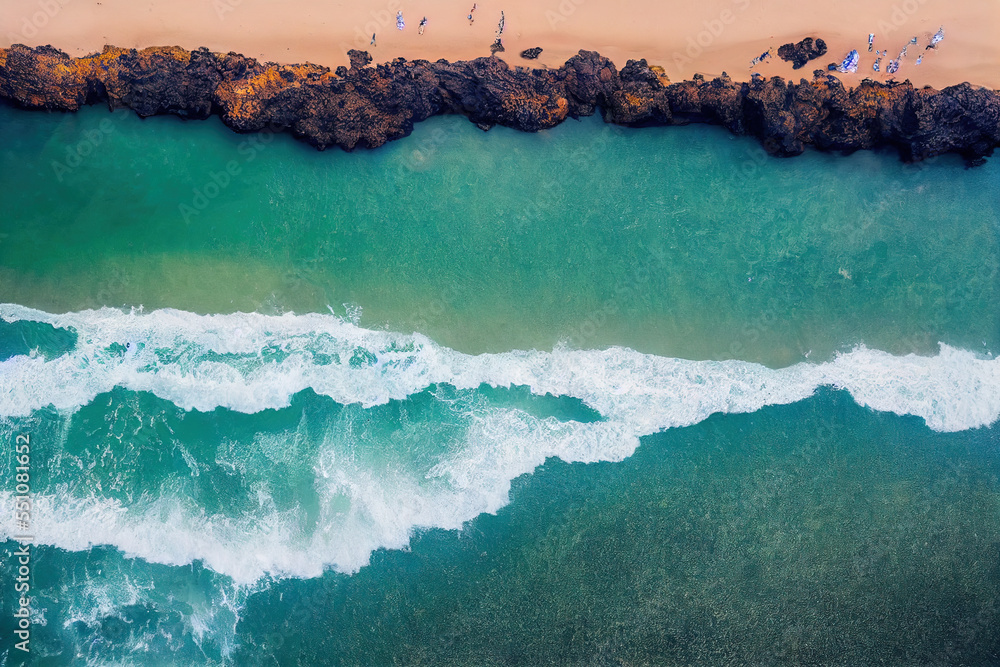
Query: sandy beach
(706,37)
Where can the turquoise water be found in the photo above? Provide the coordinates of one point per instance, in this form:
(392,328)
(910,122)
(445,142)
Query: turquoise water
(589,396)
(682,242)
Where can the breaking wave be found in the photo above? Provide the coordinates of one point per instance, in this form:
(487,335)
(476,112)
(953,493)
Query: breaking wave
(250,363)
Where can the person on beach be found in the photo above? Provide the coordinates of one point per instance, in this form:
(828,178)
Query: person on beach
(420,28)
(471,12)
(871,41)
(372,43)
(399,20)
(761,58)
(938,36)
(497,46)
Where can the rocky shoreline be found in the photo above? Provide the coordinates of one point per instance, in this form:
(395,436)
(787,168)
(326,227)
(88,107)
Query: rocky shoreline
(366,106)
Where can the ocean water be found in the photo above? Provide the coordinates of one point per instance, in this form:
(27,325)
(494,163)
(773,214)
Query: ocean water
(588,396)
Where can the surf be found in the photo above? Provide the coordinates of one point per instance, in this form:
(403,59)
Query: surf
(438,463)
(250,362)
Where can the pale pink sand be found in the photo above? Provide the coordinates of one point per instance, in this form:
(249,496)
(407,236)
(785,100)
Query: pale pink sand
(706,36)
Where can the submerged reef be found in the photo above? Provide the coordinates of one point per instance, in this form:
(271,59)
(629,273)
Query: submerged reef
(366,106)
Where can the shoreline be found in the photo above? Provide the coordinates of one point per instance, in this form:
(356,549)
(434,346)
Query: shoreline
(364,106)
(707,38)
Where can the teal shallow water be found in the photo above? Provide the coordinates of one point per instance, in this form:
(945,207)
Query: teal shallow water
(556,467)
(742,540)
(815,533)
(678,241)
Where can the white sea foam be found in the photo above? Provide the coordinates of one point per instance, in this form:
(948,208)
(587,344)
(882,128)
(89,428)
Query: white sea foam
(250,362)
(112,588)
(361,509)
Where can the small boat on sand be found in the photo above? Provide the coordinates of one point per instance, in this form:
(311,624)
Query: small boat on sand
(850,63)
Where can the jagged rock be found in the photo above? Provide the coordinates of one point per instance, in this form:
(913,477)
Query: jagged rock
(365,106)
(640,72)
(531,54)
(358,59)
(801,53)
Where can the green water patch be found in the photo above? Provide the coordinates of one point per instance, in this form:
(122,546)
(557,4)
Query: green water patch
(678,241)
(816,533)
(26,338)
(813,533)
(155,470)
(135,448)
(98,606)
(563,408)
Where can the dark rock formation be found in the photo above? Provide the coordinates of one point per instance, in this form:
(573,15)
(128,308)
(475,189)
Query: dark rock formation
(366,106)
(531,54)
(801,53)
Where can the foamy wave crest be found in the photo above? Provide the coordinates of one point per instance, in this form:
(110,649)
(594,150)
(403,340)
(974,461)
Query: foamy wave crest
(361,508)
(252,362)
